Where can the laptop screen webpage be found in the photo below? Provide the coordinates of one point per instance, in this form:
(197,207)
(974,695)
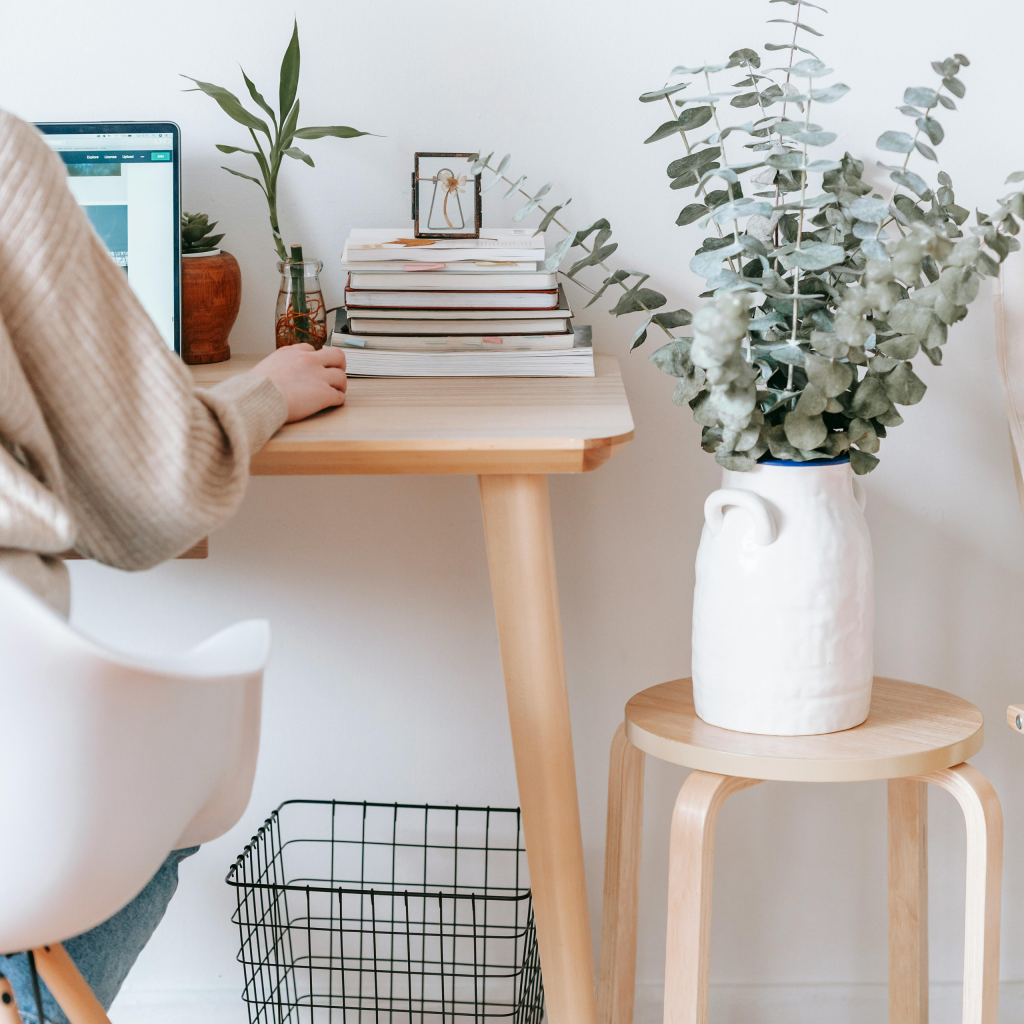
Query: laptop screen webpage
(126,184)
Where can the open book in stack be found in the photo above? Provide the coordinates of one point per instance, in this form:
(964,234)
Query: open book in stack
(465,307)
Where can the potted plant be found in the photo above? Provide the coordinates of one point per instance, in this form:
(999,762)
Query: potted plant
(298,319)
(211,292)
(825,281)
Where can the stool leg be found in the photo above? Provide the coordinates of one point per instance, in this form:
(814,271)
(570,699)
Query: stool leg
(908,901)
(8,1004)
(984,820)
(617,976)
(691,859)
(68,987)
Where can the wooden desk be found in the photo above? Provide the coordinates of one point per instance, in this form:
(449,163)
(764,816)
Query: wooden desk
(511,433)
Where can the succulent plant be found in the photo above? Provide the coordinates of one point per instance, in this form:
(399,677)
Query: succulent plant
(195,233)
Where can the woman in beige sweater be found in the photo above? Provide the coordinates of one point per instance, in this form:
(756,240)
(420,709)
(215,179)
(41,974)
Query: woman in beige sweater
(106,446)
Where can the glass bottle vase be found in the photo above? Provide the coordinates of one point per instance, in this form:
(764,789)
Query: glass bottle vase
(301,314)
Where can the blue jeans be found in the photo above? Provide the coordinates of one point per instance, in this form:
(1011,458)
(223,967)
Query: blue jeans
(106,954)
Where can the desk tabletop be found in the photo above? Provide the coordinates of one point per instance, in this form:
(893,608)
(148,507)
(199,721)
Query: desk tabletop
(451,424)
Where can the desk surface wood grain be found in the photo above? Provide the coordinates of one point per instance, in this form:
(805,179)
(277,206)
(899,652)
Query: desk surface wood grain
(451,425)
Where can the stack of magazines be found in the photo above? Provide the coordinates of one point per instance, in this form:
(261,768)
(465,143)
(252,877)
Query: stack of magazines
(465,307)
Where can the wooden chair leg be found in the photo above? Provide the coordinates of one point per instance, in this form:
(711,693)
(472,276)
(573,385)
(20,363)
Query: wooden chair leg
(68,987)
(8,1004)
(984,820)
(617,976)
(691,859)
(908,901)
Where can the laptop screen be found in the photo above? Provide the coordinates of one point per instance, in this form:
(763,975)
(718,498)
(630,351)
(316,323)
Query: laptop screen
(125,179)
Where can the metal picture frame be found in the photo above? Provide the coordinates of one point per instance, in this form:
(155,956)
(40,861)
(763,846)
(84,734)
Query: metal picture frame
(445,203)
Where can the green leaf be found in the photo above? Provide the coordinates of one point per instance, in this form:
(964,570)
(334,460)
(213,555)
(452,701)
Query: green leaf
(255,94)
(676,318)
(955,86)
(515,185)
(895,142)
(931,128)
(552,263)
(815,256)
(963,60)
(903,386)
(830,94)
(811,402)
(532,205)
(550,216)
(744,57)
(805,432)
(691,213)
(337,131)
(231,105)
(947,102)
(913,181)
(667,129)
(829,377)
(592,259)
(815,138)
(874,211)
(640,336)
(903,346)
(480,163)
(861,462)
(870,399)
(746,99)
(248,177)
(694,117)
(697,161)
(921,96)
(660,94)
(1016,176)
(288,127)
(798,24)
(236,149)
(503,166)
(296,154)
(289,74)
(637,300)
(809,69)
(926,151)
(673,358)
(582,235)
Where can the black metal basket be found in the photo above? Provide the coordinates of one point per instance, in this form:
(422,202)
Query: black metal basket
(397,913)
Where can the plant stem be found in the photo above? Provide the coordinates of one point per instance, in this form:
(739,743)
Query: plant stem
(299,295)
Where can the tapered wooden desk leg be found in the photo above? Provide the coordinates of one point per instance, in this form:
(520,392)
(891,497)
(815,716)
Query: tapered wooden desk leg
(691,860)
(520,552)
(616,983)
(8,1004)
(908,901)
(68,987)
(984,820)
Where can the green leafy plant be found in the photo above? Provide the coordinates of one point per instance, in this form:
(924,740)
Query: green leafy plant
(280,133)
(821,297)
(196,233)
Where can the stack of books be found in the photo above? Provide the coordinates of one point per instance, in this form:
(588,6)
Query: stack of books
(466,307)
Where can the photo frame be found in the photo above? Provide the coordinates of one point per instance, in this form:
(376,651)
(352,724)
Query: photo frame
(445,196)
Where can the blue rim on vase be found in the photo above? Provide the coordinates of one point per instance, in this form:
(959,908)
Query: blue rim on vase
(837,461)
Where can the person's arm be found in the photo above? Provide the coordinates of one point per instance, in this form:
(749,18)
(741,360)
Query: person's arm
(149,464)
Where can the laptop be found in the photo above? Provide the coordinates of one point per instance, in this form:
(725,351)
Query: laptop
(127,178)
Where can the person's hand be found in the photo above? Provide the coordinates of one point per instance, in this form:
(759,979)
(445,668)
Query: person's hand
(310,379)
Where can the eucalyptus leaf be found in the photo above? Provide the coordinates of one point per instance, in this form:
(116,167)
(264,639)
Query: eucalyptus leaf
(895,142)
(815,138)
(638,299)
(871,210)
(552,263)
(831,93)
(903,386)
(786,161)
(921,96)
(798,24)
(926,151)
(809,69)
(666,90)
(805,432)
(910,180)
(732,211)
(861,462)
(955,86)
(870,398)
(873,249)
(550,216)
(815,256)
(592,259)
(931,128)
(514,186)
(694,117)
(667,129)
(640,336)
(691,213)
(675,318)
(829,377)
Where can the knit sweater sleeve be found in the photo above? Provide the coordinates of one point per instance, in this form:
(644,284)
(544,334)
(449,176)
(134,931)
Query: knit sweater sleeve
(148,465)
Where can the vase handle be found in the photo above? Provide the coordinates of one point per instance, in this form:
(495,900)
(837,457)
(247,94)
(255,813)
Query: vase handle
(765,530)
(860,493)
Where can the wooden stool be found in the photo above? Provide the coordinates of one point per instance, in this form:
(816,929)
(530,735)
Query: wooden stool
(914,735)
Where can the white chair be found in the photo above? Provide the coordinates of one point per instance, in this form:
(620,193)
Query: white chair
(107,763)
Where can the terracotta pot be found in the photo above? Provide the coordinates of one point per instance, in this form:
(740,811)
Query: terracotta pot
(211,292)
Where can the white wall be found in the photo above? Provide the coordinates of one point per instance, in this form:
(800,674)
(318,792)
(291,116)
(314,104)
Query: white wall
(385,682)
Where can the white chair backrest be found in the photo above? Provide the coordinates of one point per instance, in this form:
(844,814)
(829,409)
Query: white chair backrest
(109,762)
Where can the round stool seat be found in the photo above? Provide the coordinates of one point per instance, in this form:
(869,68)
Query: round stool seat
(911,730)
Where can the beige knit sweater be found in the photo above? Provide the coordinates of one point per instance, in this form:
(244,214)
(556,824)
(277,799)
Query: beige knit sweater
(105,445)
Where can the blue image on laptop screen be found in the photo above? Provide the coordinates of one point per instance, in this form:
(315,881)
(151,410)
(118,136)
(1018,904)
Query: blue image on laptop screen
(125,185)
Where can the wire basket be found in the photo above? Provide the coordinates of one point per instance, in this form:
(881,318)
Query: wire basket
(396,913)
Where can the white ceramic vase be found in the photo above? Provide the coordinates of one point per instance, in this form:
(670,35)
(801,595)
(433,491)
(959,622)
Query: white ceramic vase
(783,608)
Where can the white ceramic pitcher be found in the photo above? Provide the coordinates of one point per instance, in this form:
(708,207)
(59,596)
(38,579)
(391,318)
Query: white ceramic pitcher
(783,609)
